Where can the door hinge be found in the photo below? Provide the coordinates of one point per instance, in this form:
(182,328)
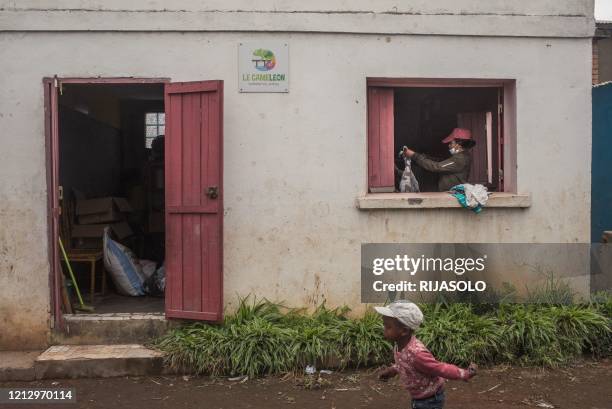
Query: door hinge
(500,109)
(60,193)
(58,84)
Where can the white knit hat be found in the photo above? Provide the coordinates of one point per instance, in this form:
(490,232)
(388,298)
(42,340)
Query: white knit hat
(406,312)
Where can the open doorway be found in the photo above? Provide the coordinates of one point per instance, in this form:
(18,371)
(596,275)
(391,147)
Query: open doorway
(157,198)
(111,160)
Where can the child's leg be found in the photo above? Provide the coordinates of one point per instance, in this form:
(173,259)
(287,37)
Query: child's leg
(435,402)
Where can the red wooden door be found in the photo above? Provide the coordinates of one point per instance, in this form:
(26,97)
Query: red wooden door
(194,200)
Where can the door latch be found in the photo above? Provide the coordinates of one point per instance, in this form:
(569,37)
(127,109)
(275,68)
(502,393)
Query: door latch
(212,192)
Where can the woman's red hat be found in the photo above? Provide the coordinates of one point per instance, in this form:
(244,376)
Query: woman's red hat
(459,133)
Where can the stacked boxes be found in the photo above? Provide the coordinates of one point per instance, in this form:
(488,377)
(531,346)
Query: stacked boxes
(93,215)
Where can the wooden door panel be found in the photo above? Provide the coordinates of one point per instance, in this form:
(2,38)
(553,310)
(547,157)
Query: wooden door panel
(476,122)
(194,225)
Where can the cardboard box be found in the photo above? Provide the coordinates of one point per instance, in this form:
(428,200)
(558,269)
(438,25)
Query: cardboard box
(89,236)
(121,230)
(102,210)
(84,243)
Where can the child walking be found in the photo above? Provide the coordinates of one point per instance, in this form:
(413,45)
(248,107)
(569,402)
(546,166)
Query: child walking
(422,375)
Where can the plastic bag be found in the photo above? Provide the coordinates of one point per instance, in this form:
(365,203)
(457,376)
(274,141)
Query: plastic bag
(148,268)
(408,182)
(123,266)
(156,284)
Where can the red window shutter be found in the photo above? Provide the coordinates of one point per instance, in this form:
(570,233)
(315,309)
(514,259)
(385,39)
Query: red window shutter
(480,125)
(381,177)
(194,139)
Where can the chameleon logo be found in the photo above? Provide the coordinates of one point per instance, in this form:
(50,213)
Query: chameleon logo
(264,60)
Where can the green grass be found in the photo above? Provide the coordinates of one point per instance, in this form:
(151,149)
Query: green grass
(554,290)
(262,337)
(458,335)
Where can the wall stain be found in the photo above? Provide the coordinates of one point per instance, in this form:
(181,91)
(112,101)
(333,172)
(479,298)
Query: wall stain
(317,296)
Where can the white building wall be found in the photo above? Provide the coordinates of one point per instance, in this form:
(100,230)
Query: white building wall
(295,163)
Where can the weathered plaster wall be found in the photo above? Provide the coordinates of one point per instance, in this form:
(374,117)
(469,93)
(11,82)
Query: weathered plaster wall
(24,269)
(295,163)
(539,18)
(526,7)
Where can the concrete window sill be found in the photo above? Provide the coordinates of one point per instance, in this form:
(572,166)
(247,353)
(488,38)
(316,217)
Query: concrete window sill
(436,200)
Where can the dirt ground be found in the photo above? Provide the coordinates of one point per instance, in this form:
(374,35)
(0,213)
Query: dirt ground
(586,385)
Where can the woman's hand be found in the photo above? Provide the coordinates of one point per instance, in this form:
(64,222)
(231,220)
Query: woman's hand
(409,152)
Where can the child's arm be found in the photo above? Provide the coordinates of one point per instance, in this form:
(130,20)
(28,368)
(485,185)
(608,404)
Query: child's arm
(426,363)
(387,373)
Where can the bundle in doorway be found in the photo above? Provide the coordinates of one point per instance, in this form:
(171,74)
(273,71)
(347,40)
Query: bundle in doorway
(131,276)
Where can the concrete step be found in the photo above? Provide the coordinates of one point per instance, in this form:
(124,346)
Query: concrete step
(98,361)
(117,328)
(17,365)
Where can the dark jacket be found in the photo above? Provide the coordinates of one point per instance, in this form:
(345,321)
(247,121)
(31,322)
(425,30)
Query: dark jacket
(453,171)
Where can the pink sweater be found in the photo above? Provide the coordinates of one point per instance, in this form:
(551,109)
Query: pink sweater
(421,374)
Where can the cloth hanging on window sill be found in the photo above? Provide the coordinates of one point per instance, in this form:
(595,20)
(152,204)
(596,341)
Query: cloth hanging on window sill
(473,197)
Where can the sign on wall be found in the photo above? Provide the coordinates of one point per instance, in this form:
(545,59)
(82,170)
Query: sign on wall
(263,67)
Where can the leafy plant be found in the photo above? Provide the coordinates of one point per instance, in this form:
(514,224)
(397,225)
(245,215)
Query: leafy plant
(530,333)
(363,342)
(456,334)
(248,310)
(262,337)
(259,347)
(553,291)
